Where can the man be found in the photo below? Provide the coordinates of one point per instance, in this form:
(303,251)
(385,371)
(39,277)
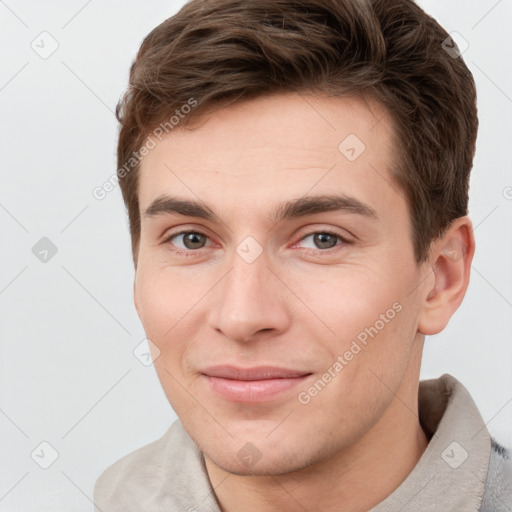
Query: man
(296,178)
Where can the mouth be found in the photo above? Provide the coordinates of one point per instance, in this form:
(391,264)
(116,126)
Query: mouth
(250,385)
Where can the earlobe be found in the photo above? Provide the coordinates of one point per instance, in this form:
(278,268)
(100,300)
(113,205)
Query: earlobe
(452,254)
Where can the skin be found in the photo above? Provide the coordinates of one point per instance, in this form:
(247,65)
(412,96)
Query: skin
(298,305)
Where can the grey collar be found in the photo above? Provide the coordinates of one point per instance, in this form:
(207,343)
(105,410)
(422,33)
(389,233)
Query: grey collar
(451,473)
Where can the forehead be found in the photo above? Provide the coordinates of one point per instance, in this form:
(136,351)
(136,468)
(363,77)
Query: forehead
(273,148)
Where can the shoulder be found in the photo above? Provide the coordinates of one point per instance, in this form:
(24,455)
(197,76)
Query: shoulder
(498,485)
(133,481)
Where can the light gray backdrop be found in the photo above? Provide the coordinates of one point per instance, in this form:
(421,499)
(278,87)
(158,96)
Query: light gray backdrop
(74,397)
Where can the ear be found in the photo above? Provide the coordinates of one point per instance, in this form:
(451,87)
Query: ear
(451,257)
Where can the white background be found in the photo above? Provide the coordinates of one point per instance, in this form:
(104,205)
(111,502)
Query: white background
(68,329)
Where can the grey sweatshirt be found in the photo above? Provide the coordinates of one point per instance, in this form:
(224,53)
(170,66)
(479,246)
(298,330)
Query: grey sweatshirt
(463,469)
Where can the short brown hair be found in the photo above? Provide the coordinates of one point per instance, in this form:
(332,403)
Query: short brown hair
(389,50)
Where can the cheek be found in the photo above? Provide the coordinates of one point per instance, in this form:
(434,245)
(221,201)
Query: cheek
(352,299)
(374,320)
(164,297)
(160,318)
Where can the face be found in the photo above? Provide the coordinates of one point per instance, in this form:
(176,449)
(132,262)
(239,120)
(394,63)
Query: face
(281,302)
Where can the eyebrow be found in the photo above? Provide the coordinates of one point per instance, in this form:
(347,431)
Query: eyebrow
(301,207)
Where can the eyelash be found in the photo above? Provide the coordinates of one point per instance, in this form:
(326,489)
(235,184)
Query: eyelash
(330,251)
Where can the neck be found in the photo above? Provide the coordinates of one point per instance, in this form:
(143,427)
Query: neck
(354,479)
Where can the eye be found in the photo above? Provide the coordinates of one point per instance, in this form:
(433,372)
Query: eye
(191,240)
(325,240)
(194,241)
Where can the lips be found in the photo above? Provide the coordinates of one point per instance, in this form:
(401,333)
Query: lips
(257,384)
(256,373)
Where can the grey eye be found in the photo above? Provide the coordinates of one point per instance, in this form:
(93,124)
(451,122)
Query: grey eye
(191,239)
(323,240)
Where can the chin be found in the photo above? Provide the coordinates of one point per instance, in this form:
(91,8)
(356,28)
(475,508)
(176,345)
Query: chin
(252,460)
(260,468)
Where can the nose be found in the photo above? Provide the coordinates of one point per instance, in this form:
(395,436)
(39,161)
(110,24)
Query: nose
(250,300)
